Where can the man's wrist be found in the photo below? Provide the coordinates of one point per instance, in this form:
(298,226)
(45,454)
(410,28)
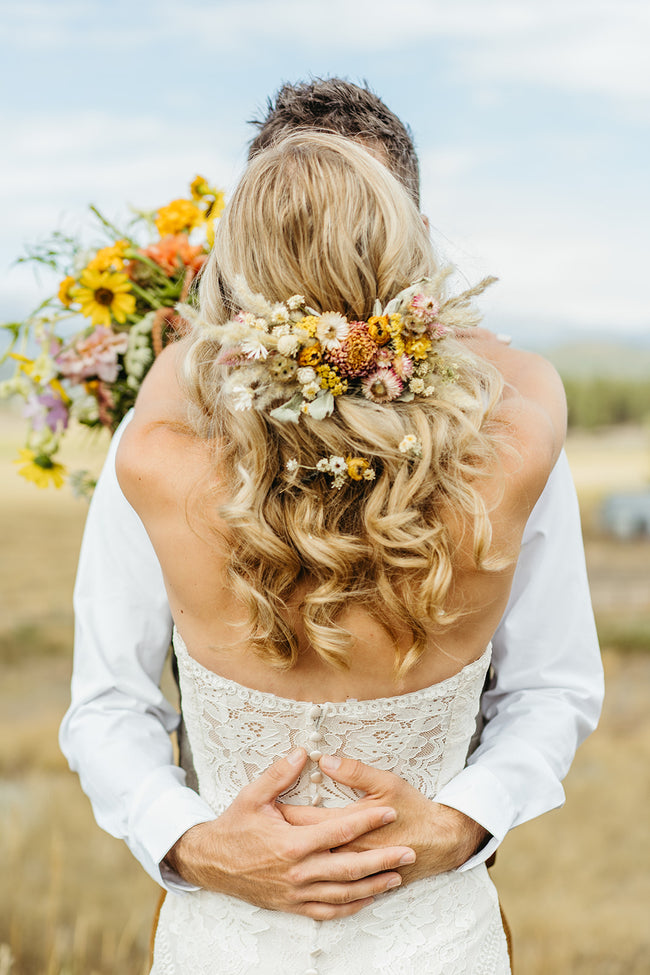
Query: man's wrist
(454,838)
(187,856)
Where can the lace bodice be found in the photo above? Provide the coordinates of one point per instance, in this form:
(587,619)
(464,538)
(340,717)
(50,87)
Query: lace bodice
(444,925)
(236,732)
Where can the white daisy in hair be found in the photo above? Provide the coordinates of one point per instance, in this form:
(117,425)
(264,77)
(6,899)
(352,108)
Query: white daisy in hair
(280,315)
(332,328)
(338,465)
(253,349)
(411,445)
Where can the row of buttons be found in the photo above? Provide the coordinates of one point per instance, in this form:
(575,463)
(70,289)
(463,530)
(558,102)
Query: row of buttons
(315,739)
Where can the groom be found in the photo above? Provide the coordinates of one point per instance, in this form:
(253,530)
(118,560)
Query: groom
(543,698)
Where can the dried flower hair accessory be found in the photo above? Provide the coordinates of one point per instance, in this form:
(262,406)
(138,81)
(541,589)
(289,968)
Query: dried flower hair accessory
(342,469)
(289,360)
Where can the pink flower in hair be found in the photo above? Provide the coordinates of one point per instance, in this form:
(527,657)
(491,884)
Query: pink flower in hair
(382,386)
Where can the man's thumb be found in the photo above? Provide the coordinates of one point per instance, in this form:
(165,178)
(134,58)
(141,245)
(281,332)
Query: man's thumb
(277,777)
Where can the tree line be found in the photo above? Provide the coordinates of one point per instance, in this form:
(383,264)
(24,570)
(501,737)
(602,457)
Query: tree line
(601,401)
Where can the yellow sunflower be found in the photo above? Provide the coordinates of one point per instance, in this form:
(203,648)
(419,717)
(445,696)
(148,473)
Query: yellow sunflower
(104,294)
(40,469)
(178,217)
(65,291)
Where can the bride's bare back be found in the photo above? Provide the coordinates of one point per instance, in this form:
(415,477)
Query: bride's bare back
(162,472)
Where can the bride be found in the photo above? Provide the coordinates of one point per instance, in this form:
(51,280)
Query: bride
(336,486)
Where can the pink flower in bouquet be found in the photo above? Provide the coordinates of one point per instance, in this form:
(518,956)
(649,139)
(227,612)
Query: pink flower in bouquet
(95,355)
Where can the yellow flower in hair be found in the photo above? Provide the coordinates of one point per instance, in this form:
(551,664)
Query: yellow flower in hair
(308,324)
(104,294)
(310,355)
(418,348)
(356,467)
(379,329)
(40,469)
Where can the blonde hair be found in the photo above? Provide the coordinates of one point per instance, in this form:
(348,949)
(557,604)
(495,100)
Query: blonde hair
(317,215)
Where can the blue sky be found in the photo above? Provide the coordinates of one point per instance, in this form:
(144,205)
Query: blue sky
(531,120)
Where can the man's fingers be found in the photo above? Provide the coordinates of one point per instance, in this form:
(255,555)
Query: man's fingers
(276,778)
(331,912)
(355,774)
(309,815)
(343,829)
(341,867)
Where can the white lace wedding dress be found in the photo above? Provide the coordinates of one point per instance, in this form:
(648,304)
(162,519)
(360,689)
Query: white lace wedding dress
(445,925)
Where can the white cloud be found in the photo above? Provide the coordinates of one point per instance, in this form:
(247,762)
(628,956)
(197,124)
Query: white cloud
(582,45)
(559,258)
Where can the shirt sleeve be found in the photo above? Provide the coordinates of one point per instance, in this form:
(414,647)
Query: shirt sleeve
(115,733)
(546,689)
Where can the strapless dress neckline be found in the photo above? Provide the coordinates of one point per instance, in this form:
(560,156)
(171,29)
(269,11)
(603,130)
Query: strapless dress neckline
(443,687)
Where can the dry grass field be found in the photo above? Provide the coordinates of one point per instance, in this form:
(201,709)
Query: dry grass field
(575,883)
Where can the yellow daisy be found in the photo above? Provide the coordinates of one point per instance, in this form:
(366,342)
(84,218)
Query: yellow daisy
(110,258)
(40,469)
(104,294)
(180,216)
(65,291)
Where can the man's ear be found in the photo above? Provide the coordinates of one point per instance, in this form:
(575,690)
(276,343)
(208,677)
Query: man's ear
(425,221)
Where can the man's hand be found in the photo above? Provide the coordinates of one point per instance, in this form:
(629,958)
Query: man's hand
(443,838)
(251,851)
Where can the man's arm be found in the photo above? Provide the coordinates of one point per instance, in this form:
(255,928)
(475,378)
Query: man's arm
(546,692)
(116,736)
(116,731)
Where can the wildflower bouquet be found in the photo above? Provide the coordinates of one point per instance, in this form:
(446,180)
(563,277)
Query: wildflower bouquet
(127,292)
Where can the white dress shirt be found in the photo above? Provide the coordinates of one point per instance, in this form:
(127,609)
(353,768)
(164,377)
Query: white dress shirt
(544,698)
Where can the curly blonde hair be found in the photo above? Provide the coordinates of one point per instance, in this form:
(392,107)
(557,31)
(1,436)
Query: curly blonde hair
(318,215)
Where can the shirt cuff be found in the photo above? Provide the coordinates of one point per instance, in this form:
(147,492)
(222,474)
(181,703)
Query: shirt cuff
(164,809)
(477,793)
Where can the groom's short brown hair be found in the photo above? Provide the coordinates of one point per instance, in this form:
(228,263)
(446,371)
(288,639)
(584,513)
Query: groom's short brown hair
(335,105)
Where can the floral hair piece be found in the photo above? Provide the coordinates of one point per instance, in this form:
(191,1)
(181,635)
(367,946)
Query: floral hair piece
(288,359)
(342,469)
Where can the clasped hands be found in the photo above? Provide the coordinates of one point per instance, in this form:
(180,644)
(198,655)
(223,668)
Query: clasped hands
(324,863)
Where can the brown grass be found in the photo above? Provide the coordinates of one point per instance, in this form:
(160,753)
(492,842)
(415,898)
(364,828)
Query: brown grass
(575,883)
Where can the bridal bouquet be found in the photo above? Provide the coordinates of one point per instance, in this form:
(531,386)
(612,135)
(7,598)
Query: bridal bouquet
(125,292)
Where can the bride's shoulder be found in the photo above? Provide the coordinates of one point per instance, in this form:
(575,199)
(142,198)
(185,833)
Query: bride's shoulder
(532,414)
(158,447)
